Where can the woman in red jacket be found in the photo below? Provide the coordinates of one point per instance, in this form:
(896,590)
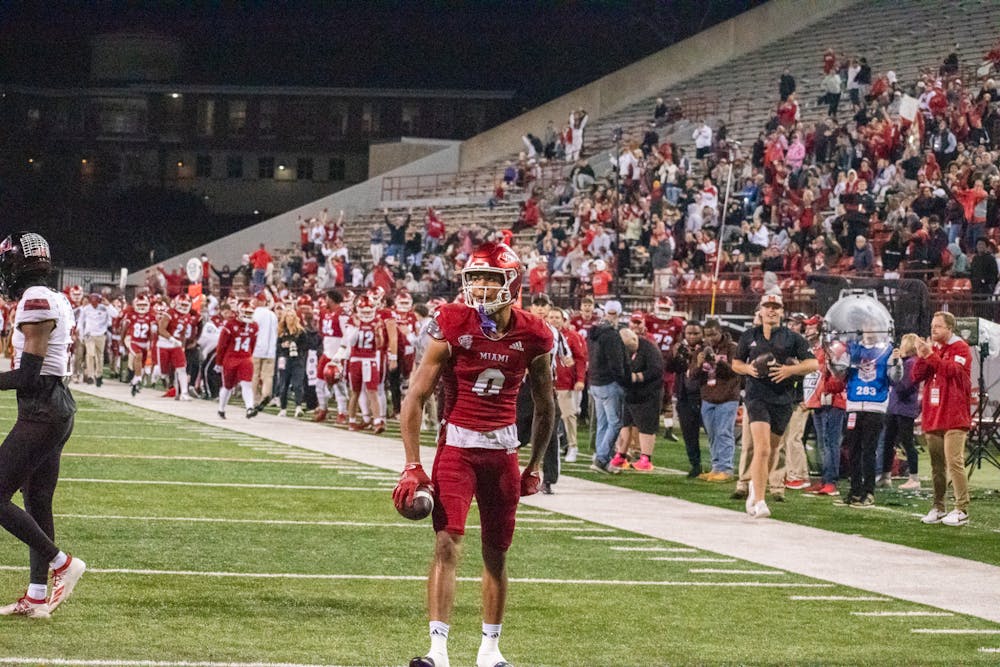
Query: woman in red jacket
(944,365)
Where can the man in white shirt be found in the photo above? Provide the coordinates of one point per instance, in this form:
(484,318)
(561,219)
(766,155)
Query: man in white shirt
(95,319)
(264,351)
(702,140)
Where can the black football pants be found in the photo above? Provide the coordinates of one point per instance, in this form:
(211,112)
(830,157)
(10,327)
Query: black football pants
(29,462)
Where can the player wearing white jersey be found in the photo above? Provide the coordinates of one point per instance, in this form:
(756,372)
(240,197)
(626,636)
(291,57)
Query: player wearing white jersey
(29,455)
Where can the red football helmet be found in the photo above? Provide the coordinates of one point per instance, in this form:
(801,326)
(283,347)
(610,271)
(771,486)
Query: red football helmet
(333,373)
(404,301)
(499,260)
(182,304)
(365,308)
(663,308)
(141,304)
(75,294)
(377,295)
(348,303)
(244,312)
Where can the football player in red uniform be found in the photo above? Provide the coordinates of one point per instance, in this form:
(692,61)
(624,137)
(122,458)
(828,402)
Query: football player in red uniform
(361,346)
(406,324)
(479,351)
(586,318)
(332,320)
(173,328)
(665,328)
(138,330)
(234,358)
(388,355)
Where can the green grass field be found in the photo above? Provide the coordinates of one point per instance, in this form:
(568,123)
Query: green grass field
(210,546)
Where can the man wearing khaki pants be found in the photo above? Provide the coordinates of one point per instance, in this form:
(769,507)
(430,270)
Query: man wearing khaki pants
(571,372)
(264,351)
(944,365)
(95,319)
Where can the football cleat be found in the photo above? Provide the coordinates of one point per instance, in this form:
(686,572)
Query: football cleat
(379,428)
(222,414)
(64,580)
(251,413)
(25,606)
(341,418)
(135,389)
(320,416)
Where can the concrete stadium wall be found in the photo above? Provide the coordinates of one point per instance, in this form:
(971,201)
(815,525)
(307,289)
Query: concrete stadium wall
(648,77)
(384,157)
(279,231)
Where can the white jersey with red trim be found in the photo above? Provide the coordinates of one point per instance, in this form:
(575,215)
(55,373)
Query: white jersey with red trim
(41,304)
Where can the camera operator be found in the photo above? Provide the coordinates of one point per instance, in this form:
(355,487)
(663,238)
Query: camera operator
(944,365)
(720,398)
(867,400)
(688,389)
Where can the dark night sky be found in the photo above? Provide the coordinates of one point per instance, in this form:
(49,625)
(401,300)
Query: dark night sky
(540,49)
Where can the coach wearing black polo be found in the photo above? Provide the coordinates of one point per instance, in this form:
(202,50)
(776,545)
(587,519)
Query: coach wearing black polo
(770,355)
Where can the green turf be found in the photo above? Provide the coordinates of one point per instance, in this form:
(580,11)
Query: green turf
(603,619)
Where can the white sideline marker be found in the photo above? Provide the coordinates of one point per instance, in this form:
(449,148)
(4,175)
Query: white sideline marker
(615,538)
(153,482)
(423,578)
(988,649)
(688,550)
(691,559)
(838,598)
(954,631)
(145,663)
(901,613)
(719,570)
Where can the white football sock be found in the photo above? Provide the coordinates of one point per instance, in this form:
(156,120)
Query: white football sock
(224,395)
(489,649)
(37,591)
(439,643)
(58,561)
(246,388)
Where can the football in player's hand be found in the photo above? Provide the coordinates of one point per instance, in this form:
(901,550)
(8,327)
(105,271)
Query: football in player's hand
(763,365)
(421,507)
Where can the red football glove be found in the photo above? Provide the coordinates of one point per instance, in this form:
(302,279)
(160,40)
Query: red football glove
(530,481)
(412,477)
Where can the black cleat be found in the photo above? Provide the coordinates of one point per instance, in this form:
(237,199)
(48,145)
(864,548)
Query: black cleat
(135,389)
(222,414)
(251,413)
(668,434)
(98,380)
(422,662)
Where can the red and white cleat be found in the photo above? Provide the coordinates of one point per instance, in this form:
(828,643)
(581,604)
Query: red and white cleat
(319,416)
(25,606)
(379,427)
(341,418)
(64,580)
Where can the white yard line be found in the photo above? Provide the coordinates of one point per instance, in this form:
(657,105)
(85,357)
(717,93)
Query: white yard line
(901,613)
(616,583)
(667,549)
(691,559)
(154,457)
(112,662)
(955,631)
(838,598)
(152,482)
(719,570)
(303,522)
(615,538)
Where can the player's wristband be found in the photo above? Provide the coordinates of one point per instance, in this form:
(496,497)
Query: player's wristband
(393,357)
(412,466)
